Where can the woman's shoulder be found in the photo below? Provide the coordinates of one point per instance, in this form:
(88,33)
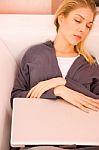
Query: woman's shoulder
(39,48)
(94,68)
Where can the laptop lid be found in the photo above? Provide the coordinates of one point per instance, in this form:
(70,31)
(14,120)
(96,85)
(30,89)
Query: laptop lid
(52,122)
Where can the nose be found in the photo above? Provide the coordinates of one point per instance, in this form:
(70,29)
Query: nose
(82,28)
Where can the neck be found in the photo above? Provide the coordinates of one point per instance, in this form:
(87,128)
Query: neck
(63,48)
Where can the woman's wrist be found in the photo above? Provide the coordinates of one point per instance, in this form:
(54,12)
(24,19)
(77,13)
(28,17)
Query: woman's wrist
(58,91)
(59,80)
(64,81)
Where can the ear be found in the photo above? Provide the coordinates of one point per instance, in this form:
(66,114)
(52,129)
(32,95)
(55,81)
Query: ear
(61,18)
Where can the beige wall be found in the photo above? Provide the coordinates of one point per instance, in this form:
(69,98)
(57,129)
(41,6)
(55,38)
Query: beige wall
(55,4)
(25,6)
(29,6)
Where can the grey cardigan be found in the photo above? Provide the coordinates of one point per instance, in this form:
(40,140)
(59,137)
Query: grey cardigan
(40,63)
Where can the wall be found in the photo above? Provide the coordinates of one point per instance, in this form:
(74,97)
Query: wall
(25,6)
(55,4)
(28,6)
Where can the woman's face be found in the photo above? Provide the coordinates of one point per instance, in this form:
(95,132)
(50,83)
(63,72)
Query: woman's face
(75,27)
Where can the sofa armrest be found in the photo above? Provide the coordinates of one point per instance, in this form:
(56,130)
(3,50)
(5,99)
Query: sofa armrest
(7,74)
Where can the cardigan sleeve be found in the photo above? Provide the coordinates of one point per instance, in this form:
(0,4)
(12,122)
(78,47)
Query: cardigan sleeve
(21,85)
(49,95)
(23,79)
(94,87)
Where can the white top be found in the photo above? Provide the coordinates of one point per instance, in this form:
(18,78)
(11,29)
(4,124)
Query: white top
(65,64)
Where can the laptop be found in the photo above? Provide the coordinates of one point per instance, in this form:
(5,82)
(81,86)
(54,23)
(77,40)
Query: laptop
(52,122)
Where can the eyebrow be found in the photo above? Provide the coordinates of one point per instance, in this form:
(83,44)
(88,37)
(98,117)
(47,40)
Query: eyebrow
(84,18)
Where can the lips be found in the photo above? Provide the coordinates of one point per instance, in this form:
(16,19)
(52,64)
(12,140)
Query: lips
(78,37)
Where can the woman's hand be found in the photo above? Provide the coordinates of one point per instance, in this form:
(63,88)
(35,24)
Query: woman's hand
(79,100)
(44,86)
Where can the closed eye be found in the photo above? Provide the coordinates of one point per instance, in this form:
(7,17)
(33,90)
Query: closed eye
(78,21)
(89,27)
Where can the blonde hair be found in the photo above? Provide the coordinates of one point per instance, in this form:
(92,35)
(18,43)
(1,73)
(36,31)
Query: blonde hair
(65,8)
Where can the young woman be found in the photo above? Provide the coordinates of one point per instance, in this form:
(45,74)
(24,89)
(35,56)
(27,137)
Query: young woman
(63,66)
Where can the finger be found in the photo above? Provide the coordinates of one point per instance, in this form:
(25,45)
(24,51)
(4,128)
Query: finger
(38,92)
(91,103)
(83,108)
(30,92)
(96,101)
(41,88)
(79,105)
(35,89)
(94,104)
(89,106)
(88,102)
(92,99)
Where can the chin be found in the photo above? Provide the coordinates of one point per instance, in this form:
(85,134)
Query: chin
(74,43)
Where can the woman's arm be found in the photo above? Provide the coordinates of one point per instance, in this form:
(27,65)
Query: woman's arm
(45,86)
(21,85)
(29,76)
(79,100)
(94,87)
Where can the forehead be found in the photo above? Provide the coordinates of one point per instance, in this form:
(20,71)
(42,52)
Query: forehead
(86,13)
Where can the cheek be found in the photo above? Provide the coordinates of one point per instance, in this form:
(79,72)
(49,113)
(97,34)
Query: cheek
(69,29)
(68,26)
(71,26)
(86,34)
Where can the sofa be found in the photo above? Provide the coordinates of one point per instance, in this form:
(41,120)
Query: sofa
(17,33)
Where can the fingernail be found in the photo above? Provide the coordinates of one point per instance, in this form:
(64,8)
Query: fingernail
(87,111)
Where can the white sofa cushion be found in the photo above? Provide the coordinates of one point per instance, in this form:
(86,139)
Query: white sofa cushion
(7,74)
(20,31)
(92,42)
